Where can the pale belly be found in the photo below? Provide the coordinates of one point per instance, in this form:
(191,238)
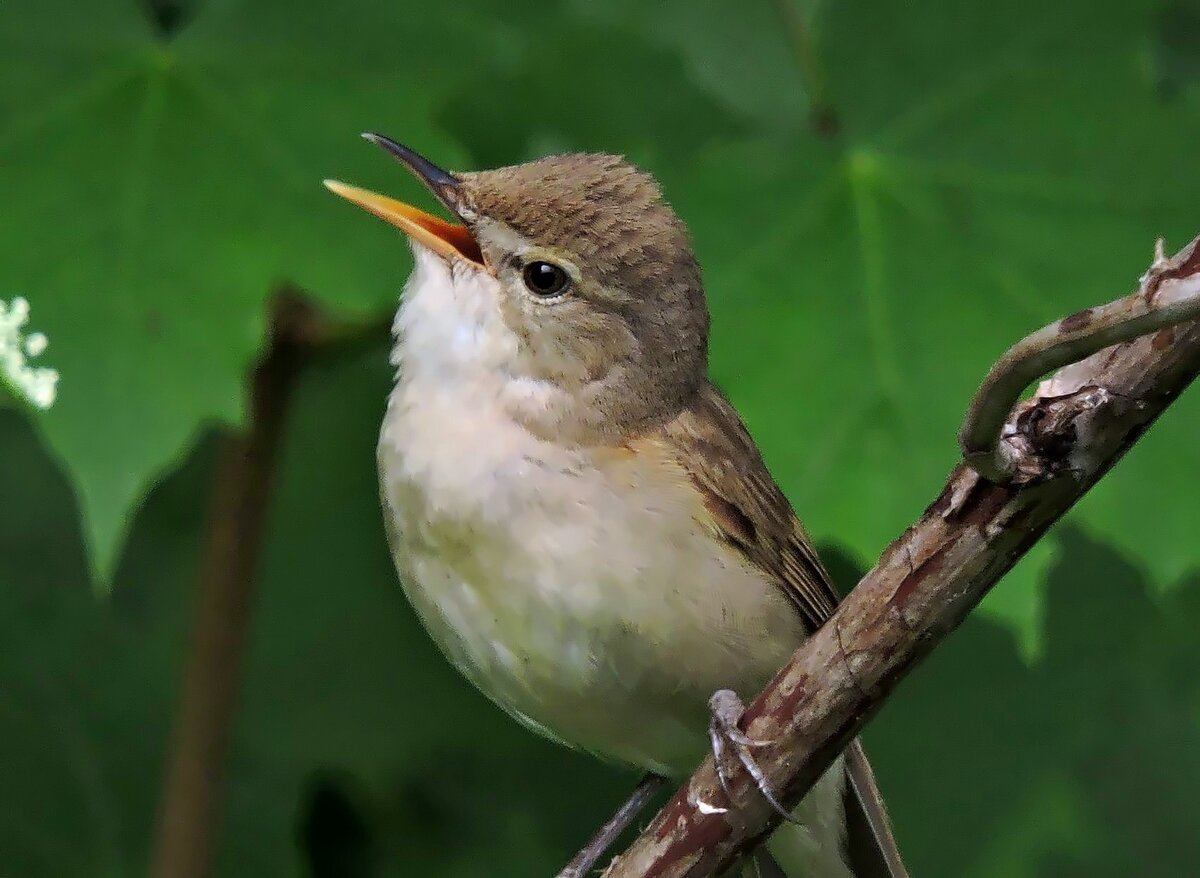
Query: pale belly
(584,594)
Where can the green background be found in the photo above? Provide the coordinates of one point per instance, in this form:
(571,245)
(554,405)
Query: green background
(884,195)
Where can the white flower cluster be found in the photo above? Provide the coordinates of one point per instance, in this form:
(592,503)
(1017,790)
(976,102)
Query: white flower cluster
(38,385)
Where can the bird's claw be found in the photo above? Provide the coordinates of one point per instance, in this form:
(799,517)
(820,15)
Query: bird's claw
(725,710)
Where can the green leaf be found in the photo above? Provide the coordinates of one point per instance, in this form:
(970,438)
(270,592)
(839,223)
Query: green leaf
(159,190)
(742,54)
(996,168)
(88,682)
(168,184)
(621,96)
(991,170)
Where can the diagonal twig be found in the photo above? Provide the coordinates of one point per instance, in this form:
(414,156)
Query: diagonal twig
(1061,442)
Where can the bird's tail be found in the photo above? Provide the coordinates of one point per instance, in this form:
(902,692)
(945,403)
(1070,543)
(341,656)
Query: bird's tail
(844,829)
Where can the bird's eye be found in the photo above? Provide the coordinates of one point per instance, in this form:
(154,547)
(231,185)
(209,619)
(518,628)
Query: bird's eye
(545,279)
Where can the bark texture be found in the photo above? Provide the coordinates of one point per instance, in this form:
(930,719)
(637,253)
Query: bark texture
(1056,446)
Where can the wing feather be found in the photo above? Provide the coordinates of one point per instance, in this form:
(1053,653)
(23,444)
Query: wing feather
(749,511)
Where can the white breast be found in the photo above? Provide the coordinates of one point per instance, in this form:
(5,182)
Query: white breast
(578,589)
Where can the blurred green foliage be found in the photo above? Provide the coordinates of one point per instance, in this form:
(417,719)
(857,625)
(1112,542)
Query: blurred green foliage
(359,752)
(970,174)
(883,195)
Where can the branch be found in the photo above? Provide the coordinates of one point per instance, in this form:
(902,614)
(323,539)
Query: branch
(1076,427)
(1063,342)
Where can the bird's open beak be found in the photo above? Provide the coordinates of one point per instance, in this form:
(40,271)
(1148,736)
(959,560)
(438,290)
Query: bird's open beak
(445,238)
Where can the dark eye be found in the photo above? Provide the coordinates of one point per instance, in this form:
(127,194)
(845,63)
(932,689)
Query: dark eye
(545,279)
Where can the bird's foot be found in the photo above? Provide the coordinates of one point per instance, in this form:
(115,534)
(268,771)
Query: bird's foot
(726,709)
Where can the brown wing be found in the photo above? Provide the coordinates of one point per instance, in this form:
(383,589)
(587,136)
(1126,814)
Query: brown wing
(747,507)
(749,511)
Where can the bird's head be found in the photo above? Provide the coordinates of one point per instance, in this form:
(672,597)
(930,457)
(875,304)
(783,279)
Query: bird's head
(570,275)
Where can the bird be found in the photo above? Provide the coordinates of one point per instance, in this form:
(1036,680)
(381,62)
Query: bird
(576,512)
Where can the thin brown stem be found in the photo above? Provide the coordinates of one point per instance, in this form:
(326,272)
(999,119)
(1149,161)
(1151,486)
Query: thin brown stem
(189,812)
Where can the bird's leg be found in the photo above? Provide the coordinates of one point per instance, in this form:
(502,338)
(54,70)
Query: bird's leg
(725,709)
(613,827)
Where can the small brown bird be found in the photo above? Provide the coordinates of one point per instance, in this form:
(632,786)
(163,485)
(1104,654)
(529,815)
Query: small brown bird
(577,514)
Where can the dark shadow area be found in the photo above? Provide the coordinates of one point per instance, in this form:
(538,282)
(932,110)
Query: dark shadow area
(334,834)
(1176,56)
(170,16)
